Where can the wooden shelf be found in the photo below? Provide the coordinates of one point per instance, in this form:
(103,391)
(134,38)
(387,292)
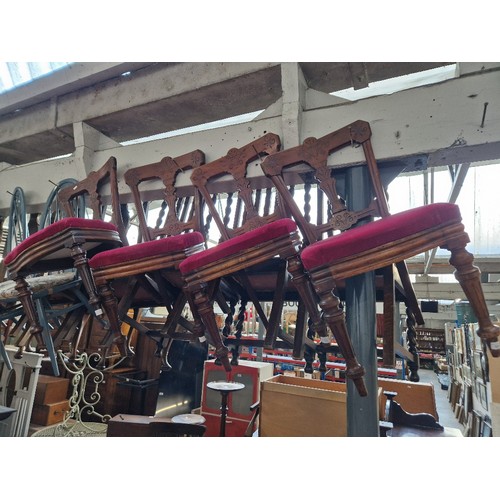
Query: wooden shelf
(431,341)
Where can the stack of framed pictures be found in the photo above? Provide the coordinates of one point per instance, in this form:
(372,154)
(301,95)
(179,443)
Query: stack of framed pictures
(469,390)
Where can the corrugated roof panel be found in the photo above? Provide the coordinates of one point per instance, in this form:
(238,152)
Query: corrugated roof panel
(13,74)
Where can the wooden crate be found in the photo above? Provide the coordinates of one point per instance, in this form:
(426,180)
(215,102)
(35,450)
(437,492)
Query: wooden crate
(51,390)
(49,414)
(296,406)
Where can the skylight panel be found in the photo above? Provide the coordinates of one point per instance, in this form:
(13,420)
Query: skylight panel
(391,85)
(14,74)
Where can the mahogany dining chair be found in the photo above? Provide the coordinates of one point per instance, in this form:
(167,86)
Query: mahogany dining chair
(145,274)
(253,231)
(335,250)
(68,243)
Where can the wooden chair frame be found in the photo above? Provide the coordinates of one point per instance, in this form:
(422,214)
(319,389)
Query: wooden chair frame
(314,153)
(157,274)
(239,265)
(64,245)
(309,162)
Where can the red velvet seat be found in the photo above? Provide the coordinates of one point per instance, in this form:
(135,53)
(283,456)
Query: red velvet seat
(393,239)
(145,251)
(58,229)
(238,245)
(381,232)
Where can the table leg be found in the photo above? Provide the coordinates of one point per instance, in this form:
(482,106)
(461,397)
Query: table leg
(223,414)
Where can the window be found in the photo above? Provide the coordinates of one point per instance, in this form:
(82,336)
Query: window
(477,201)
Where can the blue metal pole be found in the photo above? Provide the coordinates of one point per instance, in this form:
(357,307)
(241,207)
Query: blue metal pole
(362,412)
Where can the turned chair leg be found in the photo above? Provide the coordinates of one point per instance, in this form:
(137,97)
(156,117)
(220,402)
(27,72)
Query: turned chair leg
(198,327)
(468,275)
(115,336)
(203,305)
(35,328)
(411,340)
(307,297)
(81,264)
(335,318)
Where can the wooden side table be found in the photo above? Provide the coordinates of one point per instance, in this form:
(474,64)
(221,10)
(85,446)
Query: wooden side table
(224,388)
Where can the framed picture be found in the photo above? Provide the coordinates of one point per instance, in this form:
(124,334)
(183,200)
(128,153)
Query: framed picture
(477,421)
(468,426)
(459,332)
(454,393)
(467,398)
(449,333)
(459,413)
(478,365)
(467,374)
(483,397)
(486,368)
(486,430)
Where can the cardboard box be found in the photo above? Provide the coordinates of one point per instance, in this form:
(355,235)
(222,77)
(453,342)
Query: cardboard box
(49,414)
(51,390)
(296,406)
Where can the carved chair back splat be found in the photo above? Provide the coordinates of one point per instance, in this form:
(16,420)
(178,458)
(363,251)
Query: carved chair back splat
(180,211)
(98,193)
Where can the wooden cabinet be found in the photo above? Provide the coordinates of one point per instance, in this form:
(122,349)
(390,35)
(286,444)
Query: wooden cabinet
(250,374)
(109,397)
(49,413)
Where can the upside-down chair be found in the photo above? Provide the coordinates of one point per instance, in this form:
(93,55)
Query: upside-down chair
(252,231)
(388,240)
(303,172)
(68,243)
(146,274)
(56,296)
(374,245)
